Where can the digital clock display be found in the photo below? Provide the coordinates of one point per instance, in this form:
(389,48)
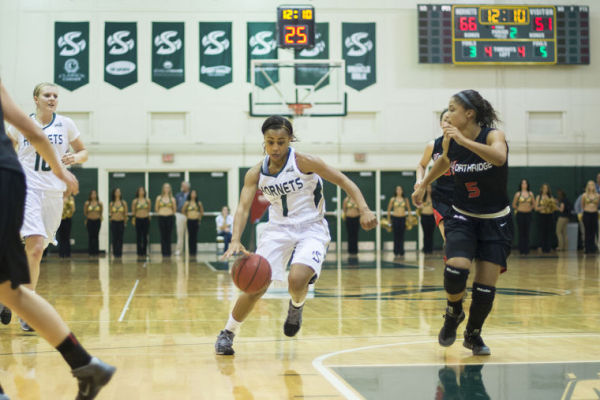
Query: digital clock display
(496,34)
(296,26)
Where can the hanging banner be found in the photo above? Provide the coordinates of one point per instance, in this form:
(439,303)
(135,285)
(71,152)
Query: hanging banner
(262,43)
(120,53)
(358,49)
(215,53)
(71,54)
(313,74)
(168,55)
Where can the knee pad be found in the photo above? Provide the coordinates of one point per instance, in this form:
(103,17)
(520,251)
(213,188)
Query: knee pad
(455,279)
(483,295)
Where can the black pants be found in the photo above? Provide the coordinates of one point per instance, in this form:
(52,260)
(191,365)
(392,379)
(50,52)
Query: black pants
(165,225)
(192,227)
(524,226)
(141,231)
(352,226)
(116,229)
(546,231)
(428,224)
(590,224)
(93,228)
(63,235)
(399,226)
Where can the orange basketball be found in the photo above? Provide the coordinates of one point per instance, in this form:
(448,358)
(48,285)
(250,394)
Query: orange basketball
(251,273)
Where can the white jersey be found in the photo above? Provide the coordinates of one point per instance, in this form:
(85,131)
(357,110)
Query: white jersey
(295,197)
(61,131)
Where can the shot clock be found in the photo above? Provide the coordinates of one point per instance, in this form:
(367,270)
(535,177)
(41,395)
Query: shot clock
(497,34)
(296,26)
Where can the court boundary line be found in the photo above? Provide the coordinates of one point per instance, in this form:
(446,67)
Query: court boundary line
(126,306)
(351,394)
(209,265)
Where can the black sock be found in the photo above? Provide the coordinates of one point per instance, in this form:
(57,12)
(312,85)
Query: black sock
(73,353)
(481,305)
(455,307)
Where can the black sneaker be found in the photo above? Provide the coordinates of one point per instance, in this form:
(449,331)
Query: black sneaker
(92,378)
(25,327)
(224,343)
(473,341)
(5,317)
(447,334)
(293,321)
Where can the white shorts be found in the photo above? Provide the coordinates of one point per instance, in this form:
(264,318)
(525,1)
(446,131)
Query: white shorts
(307,242)
(43,213)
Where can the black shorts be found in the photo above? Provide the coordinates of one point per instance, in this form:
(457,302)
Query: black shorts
(13,261)
(441,210)
(478,238)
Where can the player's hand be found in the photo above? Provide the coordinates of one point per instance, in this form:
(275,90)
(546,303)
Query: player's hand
(68,159)
(418,195)
(368,220)
(69,179)
(235,247)
(416,185)
(452,132)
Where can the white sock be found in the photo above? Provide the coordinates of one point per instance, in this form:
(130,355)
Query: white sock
(233,325)
(298,305)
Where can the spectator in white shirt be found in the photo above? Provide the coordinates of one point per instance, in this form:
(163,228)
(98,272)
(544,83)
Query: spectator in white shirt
(224,224)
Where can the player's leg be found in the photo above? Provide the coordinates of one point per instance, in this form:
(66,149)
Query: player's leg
(309,255)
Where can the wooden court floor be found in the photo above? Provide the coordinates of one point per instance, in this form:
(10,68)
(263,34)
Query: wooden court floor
(370,331)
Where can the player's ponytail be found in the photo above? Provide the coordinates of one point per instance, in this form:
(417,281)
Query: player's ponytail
(485,115)
(278,122)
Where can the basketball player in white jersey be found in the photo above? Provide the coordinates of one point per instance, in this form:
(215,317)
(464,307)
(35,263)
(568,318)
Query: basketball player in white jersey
(292,183)
(43,203)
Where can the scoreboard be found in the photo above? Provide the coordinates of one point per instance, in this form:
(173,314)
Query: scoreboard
(468,34)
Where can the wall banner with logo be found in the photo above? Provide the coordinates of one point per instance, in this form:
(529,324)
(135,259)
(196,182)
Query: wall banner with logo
(312,75)
(358,50)
(120,53)
(71,54)
(168,55)
(215,53)
(262,43)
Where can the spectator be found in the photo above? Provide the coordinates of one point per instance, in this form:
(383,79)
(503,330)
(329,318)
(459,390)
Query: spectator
(165,208)
(180,220)
(398,209)
(545,206)
(578,210)
(351,215)
(193,211)
(564,208)
(224,224)
(140,207)
(590,202)
(425,210)
(524,204)
(64,230)
(117,211)
(92,210)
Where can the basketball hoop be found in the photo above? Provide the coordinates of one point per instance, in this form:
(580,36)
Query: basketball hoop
(299,108)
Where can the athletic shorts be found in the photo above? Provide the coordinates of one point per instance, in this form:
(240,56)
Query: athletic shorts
(307,242)
(440,210)
(43,213)
(13,261)
(478,238)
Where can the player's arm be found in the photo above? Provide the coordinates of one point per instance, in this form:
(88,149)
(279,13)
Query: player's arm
(308,163)
(440,166)
(33,133)
(79,156)
(241,213)
(422,165)
(495,151)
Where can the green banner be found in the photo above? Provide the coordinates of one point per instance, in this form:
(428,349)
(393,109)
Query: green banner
(215,53)
(262,43)
(168,55)
(312,75)
(71,54)
(358,49)
(120,53)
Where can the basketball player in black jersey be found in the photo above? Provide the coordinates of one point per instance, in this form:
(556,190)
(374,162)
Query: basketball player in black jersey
(442,188)
(479,226)
(90,372)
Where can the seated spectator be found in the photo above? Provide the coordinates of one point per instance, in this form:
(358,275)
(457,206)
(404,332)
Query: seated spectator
(225,226)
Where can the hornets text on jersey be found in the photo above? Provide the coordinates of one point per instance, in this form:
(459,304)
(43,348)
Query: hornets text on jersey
(295,197)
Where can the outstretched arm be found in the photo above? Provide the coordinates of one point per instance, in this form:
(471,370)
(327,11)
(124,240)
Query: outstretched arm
(308,164)
(422,165)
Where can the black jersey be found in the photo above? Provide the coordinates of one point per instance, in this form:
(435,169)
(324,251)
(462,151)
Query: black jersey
(443,187)
(479,186)
(8,157)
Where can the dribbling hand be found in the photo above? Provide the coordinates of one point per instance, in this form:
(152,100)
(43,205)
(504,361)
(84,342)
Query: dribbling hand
(234,248)
(368,220)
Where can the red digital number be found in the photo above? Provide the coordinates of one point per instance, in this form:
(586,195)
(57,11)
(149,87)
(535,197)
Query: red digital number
(290,34)
(467,24)
(302,35)
(521,50)
(488,50)
(539,24)
(299,31)
(472,189)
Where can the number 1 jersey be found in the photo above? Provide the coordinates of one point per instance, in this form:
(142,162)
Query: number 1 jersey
(61,131)
(295,197)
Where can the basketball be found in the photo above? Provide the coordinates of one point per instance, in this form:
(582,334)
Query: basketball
(251,273)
